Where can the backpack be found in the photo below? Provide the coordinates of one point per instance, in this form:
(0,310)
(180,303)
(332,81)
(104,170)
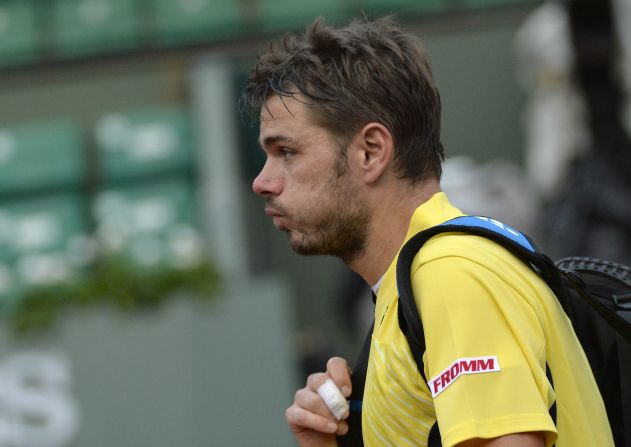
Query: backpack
(595,294)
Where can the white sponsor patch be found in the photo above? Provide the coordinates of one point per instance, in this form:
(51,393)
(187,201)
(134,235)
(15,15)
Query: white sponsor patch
(472,365)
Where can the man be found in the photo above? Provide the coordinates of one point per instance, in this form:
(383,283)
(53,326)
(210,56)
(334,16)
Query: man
(350,125)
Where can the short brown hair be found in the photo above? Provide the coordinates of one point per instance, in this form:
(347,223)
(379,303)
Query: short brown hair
(367,71)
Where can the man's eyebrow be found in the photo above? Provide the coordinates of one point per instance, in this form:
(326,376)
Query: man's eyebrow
(274,139)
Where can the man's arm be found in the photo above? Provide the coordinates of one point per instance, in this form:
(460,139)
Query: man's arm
(475,312)
(534,439)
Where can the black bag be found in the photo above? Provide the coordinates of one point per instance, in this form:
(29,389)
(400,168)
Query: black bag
(584,286)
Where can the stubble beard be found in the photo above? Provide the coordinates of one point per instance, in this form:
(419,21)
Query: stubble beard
(342,231)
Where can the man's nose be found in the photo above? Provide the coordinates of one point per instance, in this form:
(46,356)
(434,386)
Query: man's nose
(266,184)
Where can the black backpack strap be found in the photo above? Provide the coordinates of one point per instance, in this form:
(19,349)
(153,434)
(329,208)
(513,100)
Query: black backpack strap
(358,381)
(624,362)
(354,437)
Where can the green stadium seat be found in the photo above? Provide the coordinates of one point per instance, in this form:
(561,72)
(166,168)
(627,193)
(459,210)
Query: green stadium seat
(152,224)
(93,26)
(283,14)
(480,4)
(41,241)
(402,6)
(143,143)
(19,38)
(181,21)
(41,155)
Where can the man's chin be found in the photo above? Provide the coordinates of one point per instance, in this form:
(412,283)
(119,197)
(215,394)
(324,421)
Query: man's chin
(297,244)
(305,246)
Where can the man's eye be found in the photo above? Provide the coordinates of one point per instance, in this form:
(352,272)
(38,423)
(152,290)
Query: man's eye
(286,153)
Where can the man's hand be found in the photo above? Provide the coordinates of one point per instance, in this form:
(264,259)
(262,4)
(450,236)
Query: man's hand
(310,420)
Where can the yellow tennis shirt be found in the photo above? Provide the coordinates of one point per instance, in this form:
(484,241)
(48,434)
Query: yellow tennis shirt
(491,325)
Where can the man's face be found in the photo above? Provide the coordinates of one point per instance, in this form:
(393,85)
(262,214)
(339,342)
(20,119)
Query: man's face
(310,192)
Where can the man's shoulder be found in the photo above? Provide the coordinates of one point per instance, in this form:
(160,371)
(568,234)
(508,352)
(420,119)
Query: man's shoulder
(482,259)
(459,247)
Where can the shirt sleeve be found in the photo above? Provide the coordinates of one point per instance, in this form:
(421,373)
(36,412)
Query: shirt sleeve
(485,355)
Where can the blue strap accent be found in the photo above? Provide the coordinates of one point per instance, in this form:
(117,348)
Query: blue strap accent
(495,226)
(355,405)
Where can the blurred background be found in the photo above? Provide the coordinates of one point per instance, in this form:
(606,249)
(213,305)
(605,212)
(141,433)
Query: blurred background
(146,300)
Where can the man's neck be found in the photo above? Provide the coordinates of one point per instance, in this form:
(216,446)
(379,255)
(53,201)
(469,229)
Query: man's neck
(392,212)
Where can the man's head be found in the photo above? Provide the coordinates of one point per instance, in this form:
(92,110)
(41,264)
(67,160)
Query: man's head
(343,114)
(365,72)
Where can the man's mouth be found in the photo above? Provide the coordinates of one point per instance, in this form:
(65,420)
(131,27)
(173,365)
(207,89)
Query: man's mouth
(276,215)
(271,212)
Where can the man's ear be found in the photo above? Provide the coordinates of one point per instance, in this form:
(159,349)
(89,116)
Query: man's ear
(374,151)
